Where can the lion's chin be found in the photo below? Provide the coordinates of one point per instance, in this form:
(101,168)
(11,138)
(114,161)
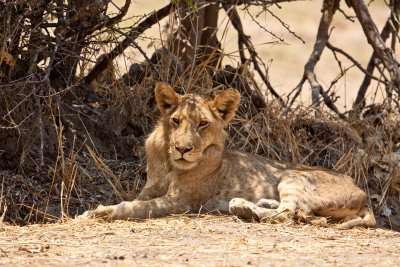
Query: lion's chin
(183,164)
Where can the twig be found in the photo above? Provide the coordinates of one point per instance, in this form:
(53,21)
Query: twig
(237,24)
(194,40)
(46,77)
(341,74)
(262,27)
(136,45)
(355,62)
(286,26)
(109,21)
(41,129)
(298,90)
(338,60)
(350,18)
(239,27)
(132,35)
(122,13)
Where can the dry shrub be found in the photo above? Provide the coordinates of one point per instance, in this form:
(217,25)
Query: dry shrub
(84,146)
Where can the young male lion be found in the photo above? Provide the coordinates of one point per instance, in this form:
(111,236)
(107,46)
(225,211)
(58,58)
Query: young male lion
(189,169)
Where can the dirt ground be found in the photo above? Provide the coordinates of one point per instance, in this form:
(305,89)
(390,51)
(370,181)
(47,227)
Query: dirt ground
(194,241)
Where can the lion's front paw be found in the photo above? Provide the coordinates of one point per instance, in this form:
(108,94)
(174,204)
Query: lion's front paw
(103,212)
(85,215)
(243,209)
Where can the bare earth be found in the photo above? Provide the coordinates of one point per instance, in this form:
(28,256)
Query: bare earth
(194,241)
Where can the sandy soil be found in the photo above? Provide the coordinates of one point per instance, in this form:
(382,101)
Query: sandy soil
(194,241)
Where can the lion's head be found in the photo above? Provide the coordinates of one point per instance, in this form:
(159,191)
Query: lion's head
(194,124)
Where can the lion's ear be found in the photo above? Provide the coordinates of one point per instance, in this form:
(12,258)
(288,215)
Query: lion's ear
(226,103)
(166,97)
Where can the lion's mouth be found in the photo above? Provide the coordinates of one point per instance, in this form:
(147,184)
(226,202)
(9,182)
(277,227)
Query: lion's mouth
(183,160)
(182,163)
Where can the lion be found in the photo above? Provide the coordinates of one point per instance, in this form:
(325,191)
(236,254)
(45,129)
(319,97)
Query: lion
(189,169)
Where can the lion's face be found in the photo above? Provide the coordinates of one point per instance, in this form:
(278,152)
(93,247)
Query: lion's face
(195,123)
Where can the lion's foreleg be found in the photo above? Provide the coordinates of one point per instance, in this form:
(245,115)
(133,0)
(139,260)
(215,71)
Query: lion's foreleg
(137,209)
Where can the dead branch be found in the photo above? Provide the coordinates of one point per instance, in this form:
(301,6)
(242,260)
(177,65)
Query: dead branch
(328,10)
(237,23)
(263,3)
(131,36)
(360,99)
(378,44)
(244,39)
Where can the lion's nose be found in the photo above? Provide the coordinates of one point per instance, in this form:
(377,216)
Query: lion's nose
(184,149)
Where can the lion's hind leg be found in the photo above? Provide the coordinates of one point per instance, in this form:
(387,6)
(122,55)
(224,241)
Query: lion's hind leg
(248,210)
(365,218)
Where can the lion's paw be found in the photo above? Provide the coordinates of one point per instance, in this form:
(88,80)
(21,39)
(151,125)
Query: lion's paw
(86,215)
(100,212)
(268,203)
(243,209)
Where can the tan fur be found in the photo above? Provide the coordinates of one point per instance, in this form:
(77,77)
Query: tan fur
(189,169)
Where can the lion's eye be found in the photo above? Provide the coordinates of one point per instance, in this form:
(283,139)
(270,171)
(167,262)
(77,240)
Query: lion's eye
(175,121)
(203,123)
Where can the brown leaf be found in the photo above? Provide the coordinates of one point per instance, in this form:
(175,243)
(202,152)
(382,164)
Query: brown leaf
(6,57)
